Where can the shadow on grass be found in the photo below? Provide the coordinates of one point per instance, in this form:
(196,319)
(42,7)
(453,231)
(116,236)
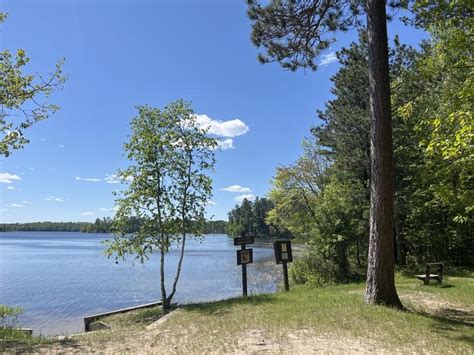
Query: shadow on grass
(222,307)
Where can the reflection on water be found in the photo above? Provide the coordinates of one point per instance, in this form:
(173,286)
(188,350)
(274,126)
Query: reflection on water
(58,278)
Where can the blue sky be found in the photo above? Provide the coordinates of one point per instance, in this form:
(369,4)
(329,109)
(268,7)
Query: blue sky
(125,53)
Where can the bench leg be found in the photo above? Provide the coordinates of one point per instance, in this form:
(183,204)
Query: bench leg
(427,280)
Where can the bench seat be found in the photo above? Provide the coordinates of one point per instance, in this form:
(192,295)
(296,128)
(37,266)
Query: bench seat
(423,277)
(432,267)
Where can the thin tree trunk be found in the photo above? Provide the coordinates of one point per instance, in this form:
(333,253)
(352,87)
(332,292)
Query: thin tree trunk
(184,224)
(162,276)
(400,242)
(178,270)
(359,263)
(381,262)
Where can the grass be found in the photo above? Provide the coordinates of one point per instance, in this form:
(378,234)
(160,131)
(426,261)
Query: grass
(440,319)
(340,310)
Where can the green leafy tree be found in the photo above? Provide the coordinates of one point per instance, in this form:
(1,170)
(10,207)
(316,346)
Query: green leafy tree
(294,32)
(168,186)
(22,97)
(434,100)
(251,218)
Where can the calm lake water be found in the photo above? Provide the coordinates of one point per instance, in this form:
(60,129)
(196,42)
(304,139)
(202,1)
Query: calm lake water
(58,278)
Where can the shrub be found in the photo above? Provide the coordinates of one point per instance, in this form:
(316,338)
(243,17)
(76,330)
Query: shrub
(9,316)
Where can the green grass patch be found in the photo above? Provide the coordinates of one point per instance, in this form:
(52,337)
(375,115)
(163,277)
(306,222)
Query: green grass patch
(340,310)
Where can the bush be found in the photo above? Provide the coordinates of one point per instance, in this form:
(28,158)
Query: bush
(314,270)
(9,316)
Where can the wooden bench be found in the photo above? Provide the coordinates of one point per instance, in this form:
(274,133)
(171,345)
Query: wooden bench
(432,271)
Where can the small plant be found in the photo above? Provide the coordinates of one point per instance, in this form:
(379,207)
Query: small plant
(9,316)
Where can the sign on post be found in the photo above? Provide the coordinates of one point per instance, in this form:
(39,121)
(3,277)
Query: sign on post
(283,252)
(244,256)
(283,256)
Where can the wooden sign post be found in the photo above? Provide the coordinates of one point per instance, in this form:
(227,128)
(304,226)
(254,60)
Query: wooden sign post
(244,257)
(283,255)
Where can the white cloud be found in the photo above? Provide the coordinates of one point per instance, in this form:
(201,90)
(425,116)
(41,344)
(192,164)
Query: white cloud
(211,203)
(78,178)
(87,213)
(112,179)
(236,188)
(231,128)
(27,202)
(61,146)
(241,198)
(43,139)
(328,58)
(103,209)
(16,205)
(225,144)
(10,188)
(8,178)
(53,198)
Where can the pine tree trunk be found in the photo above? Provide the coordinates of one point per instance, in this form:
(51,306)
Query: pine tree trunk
(380,270)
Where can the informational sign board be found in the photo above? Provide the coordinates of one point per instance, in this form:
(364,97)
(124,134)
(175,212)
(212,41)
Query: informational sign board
(244,256)
(282,250)
(249,239)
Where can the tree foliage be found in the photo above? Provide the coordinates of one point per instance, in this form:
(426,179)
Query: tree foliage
(251,218)
(23,97)
(433,130)
(168,185)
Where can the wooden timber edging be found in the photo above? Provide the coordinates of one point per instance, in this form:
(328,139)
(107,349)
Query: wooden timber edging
(92,318)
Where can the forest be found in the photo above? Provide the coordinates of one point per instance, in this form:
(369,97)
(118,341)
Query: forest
(103,225)
(324,196)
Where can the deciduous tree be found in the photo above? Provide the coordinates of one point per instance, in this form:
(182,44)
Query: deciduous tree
(168,186)
(22,97)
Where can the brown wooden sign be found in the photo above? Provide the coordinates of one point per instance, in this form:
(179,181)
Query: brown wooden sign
(244,256)
(249,239)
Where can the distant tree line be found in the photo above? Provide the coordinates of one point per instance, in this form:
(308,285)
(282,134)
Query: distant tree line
(251,218)
(103,225)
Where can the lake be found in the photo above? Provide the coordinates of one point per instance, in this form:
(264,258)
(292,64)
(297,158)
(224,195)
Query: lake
(58,278)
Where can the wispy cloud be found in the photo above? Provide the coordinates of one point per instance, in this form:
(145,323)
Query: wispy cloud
(328,58)
(10,188)
(231,128)
(16,205)
(241,198)
(225,144)
(61,145)
(236,188)
(43,139)
(53,198)
(115,179)
(87,213)
(104,209)
(78,178)
(27,202)
(8,178)
(211,203)
(112,179)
